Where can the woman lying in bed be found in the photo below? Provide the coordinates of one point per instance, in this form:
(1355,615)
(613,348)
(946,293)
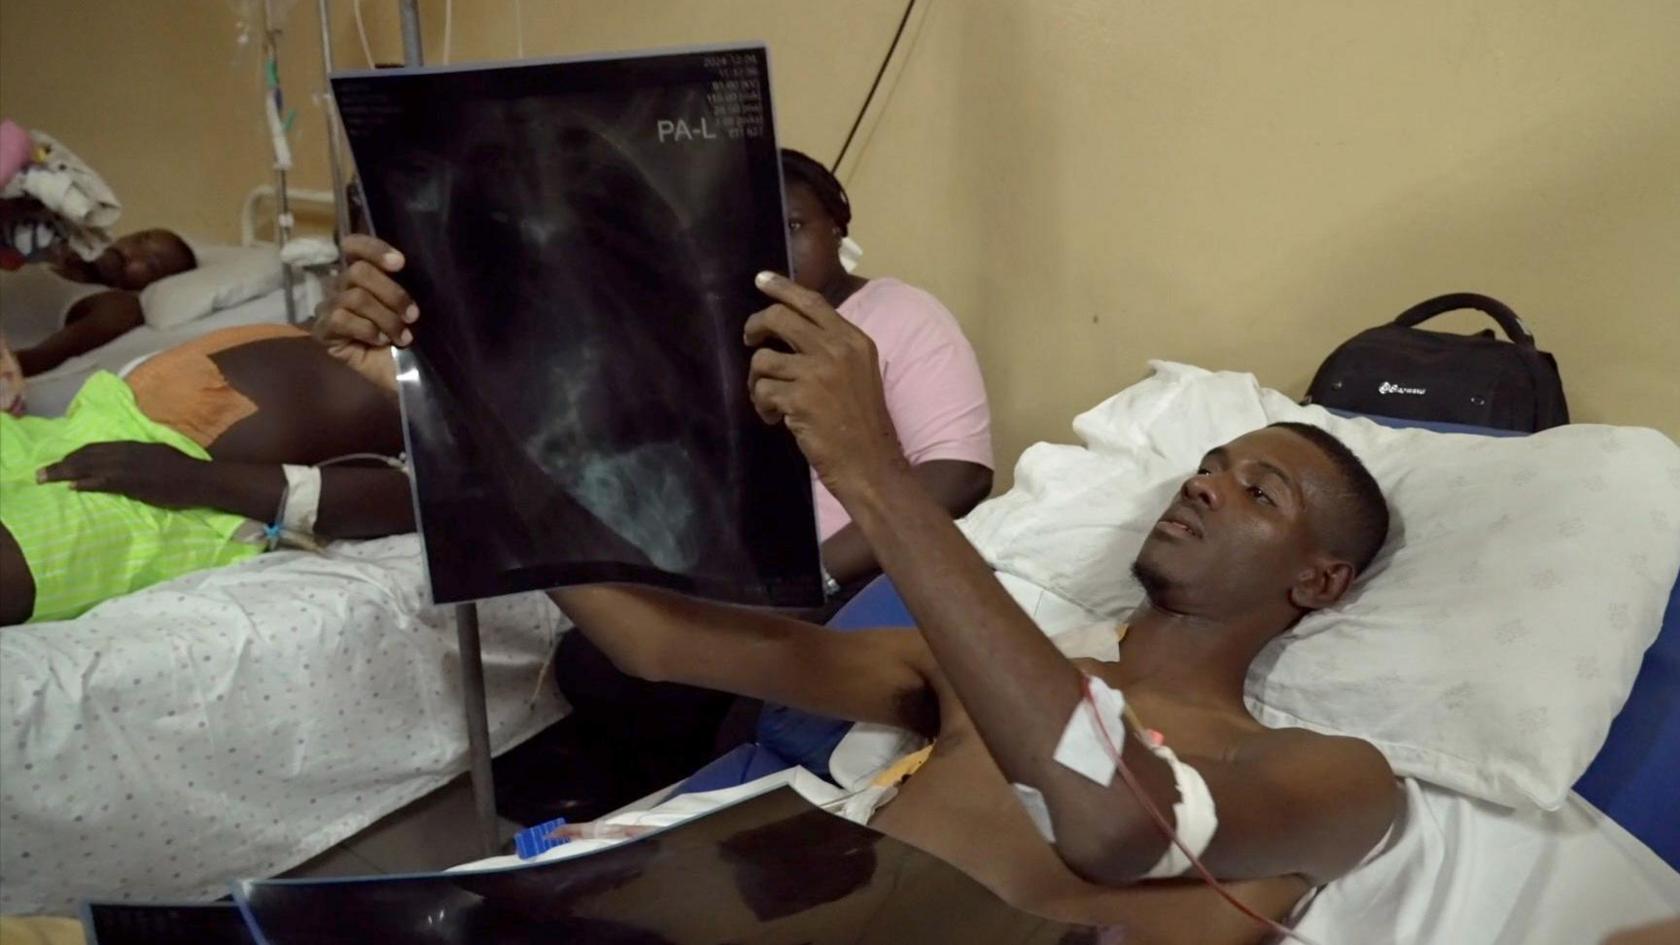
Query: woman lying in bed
(183,466)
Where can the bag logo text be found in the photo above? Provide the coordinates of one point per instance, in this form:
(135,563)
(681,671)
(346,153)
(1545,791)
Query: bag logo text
(1390,388)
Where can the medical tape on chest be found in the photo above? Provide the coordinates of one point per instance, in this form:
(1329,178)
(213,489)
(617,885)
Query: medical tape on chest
(1090,746)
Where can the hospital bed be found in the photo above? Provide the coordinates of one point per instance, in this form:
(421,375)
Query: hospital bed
(244,721)
(1608,858)
(240,721)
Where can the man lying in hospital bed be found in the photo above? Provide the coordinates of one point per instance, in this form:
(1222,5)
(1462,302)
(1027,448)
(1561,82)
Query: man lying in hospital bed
(1019,788)
(66,287)
(52,313)
(73,301)
(1485,653)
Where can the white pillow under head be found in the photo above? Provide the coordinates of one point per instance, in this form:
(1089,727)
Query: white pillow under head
(1493,640)
(225,276)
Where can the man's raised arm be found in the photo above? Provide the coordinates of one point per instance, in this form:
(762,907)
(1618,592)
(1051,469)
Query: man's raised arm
(879,676)
(1019,689)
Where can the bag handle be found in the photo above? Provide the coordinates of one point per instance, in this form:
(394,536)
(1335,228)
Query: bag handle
(1454,301)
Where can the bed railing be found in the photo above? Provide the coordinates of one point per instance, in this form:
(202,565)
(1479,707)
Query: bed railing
(264,193)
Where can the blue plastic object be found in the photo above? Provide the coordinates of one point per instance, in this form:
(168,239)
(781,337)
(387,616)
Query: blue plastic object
(788,737)
(1636,777)
(534,840)
(1436,426)
(808,740)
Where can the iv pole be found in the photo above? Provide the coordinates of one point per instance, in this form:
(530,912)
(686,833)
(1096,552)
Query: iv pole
(274,109)
(335,146)
(466,615)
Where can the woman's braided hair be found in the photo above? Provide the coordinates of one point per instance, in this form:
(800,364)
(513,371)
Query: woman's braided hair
(797,165)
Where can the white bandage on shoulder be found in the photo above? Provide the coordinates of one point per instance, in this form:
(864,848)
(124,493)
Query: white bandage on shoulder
(303,500)
(1194,816)
(1090,745)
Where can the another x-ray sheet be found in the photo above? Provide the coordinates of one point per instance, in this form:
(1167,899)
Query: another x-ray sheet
(770,870)
(581,239)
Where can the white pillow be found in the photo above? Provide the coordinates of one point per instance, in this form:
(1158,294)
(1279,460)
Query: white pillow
(1495,637)
(225,276)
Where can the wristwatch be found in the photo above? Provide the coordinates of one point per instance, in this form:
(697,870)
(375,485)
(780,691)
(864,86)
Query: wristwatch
(831,587)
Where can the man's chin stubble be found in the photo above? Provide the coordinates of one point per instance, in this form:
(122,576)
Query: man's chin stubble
(1154,583)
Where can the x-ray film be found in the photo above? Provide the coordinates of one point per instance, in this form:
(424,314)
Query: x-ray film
(581,239)
(771,870)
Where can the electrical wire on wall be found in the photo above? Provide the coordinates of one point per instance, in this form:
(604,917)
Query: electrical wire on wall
(448,31)
(361,32)
(886,60)
(448,28)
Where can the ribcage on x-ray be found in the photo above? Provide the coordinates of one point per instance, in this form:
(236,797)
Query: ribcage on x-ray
(576,400)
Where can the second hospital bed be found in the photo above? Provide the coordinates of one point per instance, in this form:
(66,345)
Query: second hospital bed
(240,721)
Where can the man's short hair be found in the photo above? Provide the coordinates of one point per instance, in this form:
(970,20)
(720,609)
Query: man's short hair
(183,247)
(1358,526)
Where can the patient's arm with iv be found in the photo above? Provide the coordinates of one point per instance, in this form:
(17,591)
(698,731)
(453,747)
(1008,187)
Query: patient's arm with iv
(1287,802)
(883,676)
(355,501)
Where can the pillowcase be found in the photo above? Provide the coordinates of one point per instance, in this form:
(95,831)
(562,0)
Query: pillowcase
(225,276)
(1493,640)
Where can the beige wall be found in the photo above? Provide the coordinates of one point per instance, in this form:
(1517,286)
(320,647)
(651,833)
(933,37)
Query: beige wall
(1087,183)
(156,95)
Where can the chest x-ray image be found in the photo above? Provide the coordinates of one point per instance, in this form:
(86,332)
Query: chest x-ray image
(581,239)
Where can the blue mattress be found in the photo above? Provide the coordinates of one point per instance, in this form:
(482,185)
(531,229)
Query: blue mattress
(1635,779)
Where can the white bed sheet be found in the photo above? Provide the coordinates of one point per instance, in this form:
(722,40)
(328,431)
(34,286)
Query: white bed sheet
(49,394)
(1468,871)
(237,722)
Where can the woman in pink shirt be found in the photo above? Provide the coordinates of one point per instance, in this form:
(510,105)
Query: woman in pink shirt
(928,369)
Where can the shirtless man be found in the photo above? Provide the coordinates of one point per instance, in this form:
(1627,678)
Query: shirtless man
(54,313)
(1273,525)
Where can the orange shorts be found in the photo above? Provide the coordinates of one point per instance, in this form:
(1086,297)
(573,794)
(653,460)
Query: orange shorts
(183,389)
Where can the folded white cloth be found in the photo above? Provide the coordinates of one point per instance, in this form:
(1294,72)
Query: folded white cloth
(78,199)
